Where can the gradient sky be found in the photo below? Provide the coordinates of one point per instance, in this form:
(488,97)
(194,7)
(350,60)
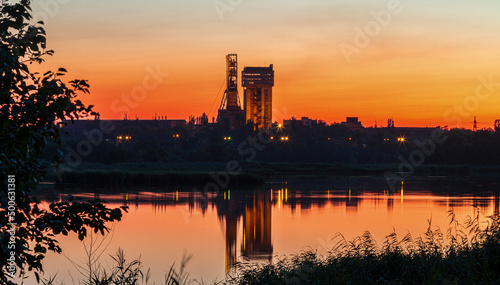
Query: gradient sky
(425,61)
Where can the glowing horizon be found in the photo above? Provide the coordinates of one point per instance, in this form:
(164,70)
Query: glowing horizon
(421,61)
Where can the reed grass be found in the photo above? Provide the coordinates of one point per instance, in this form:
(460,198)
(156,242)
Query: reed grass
(466,253)
(123,272)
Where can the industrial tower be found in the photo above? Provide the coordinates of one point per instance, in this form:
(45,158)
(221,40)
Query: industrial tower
(230,113)
(258,85)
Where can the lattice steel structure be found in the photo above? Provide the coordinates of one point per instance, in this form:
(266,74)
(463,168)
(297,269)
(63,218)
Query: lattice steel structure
(230,113)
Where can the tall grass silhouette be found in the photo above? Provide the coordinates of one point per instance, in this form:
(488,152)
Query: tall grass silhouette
(467,253)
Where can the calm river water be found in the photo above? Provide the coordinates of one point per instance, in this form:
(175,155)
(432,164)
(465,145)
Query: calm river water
(281,218)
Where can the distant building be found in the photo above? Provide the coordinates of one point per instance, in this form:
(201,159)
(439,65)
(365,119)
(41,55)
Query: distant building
(304,121)
(258,85)
(353,123)
(390,123)
(78,127)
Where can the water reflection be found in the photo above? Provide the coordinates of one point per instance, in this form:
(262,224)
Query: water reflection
(257,242)
(246,217)
(497,200)
(253,209)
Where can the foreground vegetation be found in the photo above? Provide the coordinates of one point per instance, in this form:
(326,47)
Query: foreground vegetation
(466,253)
(31,103)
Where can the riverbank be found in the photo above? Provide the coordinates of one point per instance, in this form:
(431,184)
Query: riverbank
(251,174)
(145,178)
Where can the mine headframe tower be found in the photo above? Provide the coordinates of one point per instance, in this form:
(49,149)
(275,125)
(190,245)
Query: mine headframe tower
(230,113)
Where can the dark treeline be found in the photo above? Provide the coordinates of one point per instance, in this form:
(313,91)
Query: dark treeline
(319,143)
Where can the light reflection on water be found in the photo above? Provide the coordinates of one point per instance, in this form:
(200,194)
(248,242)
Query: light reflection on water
(282,218)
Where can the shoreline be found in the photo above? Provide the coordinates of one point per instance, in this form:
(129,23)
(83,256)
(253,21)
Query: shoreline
(252,174)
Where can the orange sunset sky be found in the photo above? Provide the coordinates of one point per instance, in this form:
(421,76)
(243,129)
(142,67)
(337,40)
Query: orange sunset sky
(418,62)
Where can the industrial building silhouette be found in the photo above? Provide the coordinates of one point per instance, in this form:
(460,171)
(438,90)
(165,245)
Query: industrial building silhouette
(257,83)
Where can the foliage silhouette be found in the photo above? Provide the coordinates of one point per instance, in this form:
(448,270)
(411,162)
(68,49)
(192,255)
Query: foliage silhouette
(30,106)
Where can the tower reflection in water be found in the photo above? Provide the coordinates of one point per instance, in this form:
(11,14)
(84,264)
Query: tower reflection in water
(257,227)
(254,209)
